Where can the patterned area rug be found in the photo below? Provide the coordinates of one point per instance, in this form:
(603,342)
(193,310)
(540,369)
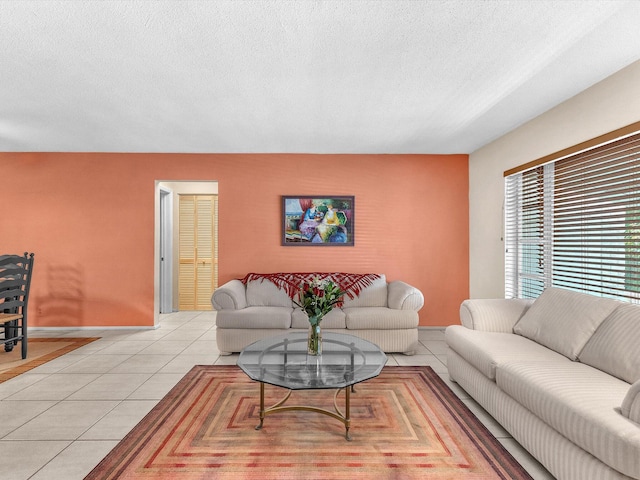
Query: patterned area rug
(39,351)
(405,424)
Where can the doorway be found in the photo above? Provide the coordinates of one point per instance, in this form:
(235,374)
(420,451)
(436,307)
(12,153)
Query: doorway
(167,238)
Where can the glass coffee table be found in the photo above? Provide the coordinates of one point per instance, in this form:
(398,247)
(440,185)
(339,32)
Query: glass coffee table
(283,361)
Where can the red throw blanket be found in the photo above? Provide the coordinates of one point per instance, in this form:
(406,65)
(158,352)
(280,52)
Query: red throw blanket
(351,283)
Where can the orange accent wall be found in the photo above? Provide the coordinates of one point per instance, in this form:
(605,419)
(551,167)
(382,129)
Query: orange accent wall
(89,218)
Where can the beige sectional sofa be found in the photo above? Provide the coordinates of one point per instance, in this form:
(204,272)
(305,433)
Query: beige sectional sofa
(562,376)
(383,313)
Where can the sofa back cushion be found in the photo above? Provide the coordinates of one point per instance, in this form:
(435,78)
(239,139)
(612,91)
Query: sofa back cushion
(563,320)
(264,293)
(615,346)
(375,295)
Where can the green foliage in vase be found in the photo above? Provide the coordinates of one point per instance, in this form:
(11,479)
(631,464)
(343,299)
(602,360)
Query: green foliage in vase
(318,298)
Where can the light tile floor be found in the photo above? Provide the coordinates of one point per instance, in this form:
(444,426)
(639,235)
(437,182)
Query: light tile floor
(60,419)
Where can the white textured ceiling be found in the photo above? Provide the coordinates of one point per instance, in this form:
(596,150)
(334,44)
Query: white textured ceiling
(378,76)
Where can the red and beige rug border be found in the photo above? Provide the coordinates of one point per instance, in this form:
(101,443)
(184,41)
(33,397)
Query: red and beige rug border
(72,343)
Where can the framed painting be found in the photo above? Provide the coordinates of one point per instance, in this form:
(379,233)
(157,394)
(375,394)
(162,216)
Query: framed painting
(318,220)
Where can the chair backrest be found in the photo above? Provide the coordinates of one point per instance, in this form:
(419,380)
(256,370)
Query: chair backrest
(15,280)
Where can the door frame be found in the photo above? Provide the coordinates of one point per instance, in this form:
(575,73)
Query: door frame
(166,250)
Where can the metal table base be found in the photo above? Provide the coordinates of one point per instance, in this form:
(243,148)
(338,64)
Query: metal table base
(345,417)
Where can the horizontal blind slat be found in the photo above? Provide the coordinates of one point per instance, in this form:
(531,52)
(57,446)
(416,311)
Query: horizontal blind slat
(590,222)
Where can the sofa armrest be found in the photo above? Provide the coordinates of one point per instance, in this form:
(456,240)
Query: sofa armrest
(230,296)
(493,315)
(631,403)
(402,296)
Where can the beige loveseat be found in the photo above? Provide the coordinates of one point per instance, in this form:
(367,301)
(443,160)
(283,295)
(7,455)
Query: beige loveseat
(562,376)
(383,313)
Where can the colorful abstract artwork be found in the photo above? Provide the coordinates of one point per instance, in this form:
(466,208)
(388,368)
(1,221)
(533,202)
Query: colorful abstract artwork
(318,220)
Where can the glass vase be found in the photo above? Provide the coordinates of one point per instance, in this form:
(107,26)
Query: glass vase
(314,342)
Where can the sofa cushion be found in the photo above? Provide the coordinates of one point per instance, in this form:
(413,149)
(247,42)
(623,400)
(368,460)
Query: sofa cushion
(631,403)
(264,293)
(255,317)
(581,403)
(334,319)
(615,346)
(379,318)
(486,350)
(375,295)
(563,320)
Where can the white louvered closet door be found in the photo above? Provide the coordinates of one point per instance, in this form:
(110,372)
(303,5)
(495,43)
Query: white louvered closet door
(198,252)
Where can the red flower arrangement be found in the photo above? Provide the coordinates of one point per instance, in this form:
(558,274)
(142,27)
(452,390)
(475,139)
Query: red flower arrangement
(318,298)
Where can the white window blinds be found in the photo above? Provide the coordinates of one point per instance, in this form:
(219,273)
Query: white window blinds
(575,223)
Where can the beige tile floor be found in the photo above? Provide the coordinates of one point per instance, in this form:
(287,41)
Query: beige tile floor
(60,419)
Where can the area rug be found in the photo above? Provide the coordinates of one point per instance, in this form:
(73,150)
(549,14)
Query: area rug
(405,424)
(39,352)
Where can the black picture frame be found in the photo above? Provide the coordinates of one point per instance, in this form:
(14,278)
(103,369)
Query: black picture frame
(318,220)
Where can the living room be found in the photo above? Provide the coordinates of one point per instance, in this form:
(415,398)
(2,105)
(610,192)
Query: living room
(89,209)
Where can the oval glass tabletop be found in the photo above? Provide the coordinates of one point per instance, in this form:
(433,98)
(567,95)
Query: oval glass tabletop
(283,361)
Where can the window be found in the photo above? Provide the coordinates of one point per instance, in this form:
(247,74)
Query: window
(575,223)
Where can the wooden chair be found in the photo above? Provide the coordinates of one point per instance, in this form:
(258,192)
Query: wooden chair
(15,280)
